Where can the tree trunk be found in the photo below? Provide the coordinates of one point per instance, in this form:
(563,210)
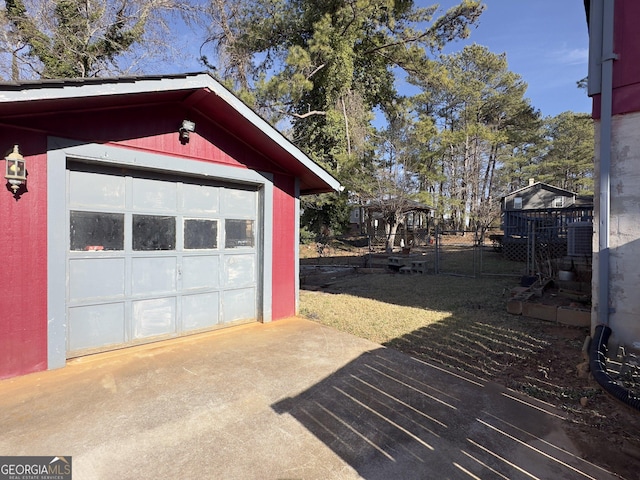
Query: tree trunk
(346,126)
(392,230)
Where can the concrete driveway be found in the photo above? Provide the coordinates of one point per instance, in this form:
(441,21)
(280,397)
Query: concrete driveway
(287,400)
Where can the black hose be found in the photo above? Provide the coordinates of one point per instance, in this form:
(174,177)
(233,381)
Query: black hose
(598,365)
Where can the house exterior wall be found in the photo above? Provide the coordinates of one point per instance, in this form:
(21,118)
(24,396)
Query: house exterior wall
(624,251)
(285,260)
(24,323)
(153,129)
(537,198)
(624,219)
(626,69)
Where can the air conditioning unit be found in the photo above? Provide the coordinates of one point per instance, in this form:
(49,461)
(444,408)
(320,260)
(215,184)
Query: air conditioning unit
(579,239)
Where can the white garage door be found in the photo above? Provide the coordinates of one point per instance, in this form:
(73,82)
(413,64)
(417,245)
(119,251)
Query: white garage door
(151,258)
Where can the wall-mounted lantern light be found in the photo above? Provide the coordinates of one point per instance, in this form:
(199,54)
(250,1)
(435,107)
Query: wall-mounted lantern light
(16,172)
(185,129)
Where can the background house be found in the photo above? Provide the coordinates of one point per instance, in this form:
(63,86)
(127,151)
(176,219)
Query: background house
(552,221)
(153,207)
(538,195)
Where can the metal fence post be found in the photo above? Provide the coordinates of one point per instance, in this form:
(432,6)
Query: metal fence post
(436,262)
(478,245)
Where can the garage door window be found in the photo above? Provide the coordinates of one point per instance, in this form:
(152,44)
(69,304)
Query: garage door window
(154,232)
(200,234)
(96,231)
(238,233)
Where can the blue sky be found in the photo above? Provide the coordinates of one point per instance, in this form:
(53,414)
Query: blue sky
(546,43)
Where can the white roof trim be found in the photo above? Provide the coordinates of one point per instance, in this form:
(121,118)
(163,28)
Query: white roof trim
(274,134)
(69,89)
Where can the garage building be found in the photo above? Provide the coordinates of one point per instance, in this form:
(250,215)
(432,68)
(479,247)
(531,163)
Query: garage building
(153,207)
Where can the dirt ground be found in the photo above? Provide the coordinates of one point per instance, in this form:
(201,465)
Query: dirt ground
(555,371)
(601,423)
(558,375)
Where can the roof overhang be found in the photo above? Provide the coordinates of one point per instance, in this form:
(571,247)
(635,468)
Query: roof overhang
(541,185)
(198,91)
(587,10)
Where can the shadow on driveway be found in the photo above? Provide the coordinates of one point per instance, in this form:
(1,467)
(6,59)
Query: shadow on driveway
(392,416)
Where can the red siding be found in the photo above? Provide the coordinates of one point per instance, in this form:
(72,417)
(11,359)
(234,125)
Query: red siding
(284,245)
(208,143)
(626,69)
(23,236)
(155,129)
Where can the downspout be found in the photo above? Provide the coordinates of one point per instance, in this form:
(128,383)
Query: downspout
(606,101)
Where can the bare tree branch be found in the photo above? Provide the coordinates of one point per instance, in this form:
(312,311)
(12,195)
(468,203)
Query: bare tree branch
(303,115)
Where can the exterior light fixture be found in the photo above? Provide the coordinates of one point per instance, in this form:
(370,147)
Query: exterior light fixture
(185,129)
(16,172)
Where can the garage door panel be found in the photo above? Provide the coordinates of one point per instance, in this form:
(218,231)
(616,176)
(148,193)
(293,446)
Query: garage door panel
(154,317)
(241,202)
(155,195)
(200,272)
(96,325)
(239,304)
(200,311)
(239,233)
(239,270)
(96,277)
(96,231)
(200,198)
(153,275)
(96,190)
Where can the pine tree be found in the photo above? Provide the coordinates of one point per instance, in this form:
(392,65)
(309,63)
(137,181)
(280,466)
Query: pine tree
(483,120)
(568,160)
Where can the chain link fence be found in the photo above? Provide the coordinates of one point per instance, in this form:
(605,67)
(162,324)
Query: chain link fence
(470,253)
(465,253)
(538,246)
(473,253)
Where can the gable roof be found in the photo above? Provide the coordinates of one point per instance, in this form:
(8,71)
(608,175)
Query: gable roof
(542,185)
(199,91)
